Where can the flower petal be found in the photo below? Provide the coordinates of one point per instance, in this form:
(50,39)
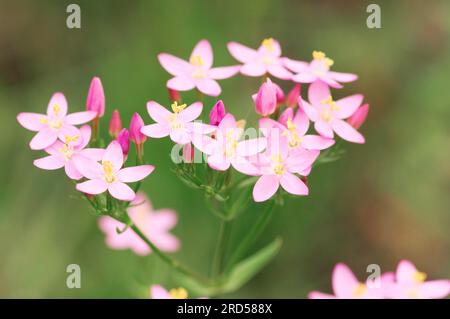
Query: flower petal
(85,134)
(57,107)
(253,68)
(156,130)
(204,50)
(343,77)
(121,191)
(316,142)
(348,105)
(320,295)
(134,174)
(279,72)
(209,87)
(301,122)
(95,154)
(294,185)
(265,187)
(310,110)
(242,165)
(251,147)
(191,112)
(180,136)
(223,72)
(80,117)
(435,289)
(114,155)
(158,292)
(347,132)
(241,52)
(49,162)
(174,65)
(87,167)
(219,162)
(158,112)
(294,65)
(93,187)
(304,77)
(324,129)
(71,171)
(31,121)
(318,92)
(405,272)
(343,281)
(181,83)
(43,139)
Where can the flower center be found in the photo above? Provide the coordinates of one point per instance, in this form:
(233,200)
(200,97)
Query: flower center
(66,152)
(178,108)
(196,60)
(108,171)
(70,139)
(277,165)
(359,290)
(331,106)
(230,144)
(268,44)
(178,293)
(320,56)
(56,109)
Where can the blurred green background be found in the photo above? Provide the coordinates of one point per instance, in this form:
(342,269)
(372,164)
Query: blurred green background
(383,201)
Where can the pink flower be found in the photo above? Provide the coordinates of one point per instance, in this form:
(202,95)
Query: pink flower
(277,166)
(110,176)
(137,123)
(410,283)
(328,115)
(346,286)
(318,70)
(217,113)
(66,154)
(267,59)
(96,97)
(155,224)
(124,140)
(293,96)
(188,153)
(266,100)
(198,72)
(56,124)
(227,149)
(159,292)
(178,125)
(359,117)
(294,128)
(115,124)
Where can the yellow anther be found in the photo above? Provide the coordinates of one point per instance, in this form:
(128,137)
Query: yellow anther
(56,109)
(319,55)
(178,108)
(359,290)
(294,140)
(329,61)
(178,293)
(333,106)
(268,44)
(290,125)
(278,167)
(241,124)
(419,276)
(196,60)
(71,138)
(66,151)
(43,120)
(108,170)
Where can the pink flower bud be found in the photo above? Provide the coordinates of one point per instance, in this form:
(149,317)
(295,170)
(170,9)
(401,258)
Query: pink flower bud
(286,115)
(293,95)
(188,153)
(135,129)
(280,94)
(96,97)
(266,99)
(124,140)
(174,95)
(358,118)
(217,113)
(115,125)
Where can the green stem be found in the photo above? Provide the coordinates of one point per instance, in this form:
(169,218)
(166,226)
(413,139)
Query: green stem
(252,235)
(221,248)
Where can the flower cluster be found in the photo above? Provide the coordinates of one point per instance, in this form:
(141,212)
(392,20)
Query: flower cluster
(406,283)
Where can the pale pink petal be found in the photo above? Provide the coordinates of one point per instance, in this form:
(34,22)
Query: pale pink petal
(242,165)
(209,87)
(204,143)
(121,191)
(156,130)
(80,117)
(265,187)
(31,121)
(316,142)
(253,68)
(43,139)
(304,77)
(343,281)
(223,72)
(200,128)
(287,114)
(219,162)
(95,154)
(134,174)
(300,160)
(328,80)
(181,83)
(93,186)
(266,124)
(435,289)
(274,50)
(310,110)
(57,103)
(158,112)
(114,155)
(301,122)
(49,162)
(405,272)
(318,92)
(294,65)
(203,49)
(70,131)
(292,184)
(347,132)
(191,112)
(251,147)
(166,242)
(158,292)
(343,77)
(180,136)
(320,295)
(241,53)
(174,65)
(164,219)
(228,122)
(348,105)
(324,129)
(279,72)
(89,168)
(71,171)
(85,134)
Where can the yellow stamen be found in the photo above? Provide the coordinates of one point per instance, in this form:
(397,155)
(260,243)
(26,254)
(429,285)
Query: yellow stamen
(419,276)
(71,138)
(268,44)
(56,124)
(66,151)
(196,60)
(326,116)
(108,170)
(290,125)
(359,290)
(278,167)
(319,55)
(178,108)
(56,109)
(241,124)
(333,106)
(178,293)
(43,120)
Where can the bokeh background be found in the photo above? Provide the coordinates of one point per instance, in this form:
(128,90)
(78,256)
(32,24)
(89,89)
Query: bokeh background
(383,201)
